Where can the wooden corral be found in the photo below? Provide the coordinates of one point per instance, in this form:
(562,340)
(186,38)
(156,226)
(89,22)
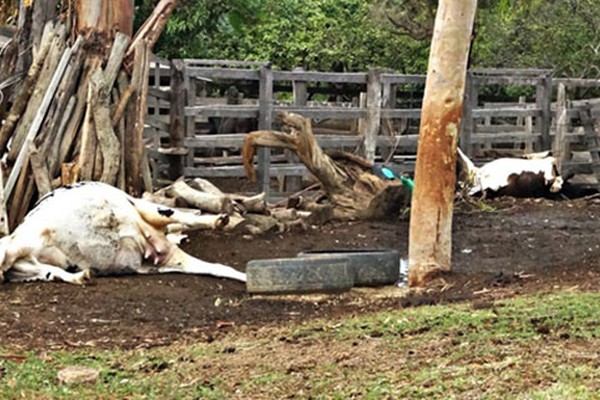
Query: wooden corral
(377,118)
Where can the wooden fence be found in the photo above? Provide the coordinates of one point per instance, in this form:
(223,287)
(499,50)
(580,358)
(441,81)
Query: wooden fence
(180,109)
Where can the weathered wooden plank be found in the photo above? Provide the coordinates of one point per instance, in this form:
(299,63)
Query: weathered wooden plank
(373,117)
(160,72)
(116,58)
(233,160)
(506,80)
(192,62)
(512,71)
(265,122)
(315,76)
(500,128)
(325,112)
(223,73)
(403,79)
(238,170)
(585,102)
(560,145)
(412,113)
(507,112)
(300,92)
(157,124)
(160,94)
(578,167)
(543,100)
(239,111)
(154,133)
(573,82)
(325,141)
(482,138)
(177,126)
(515,104)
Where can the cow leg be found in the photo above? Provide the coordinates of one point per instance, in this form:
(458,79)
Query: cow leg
(161,216)
(182,262)
(32,270)
(52,255)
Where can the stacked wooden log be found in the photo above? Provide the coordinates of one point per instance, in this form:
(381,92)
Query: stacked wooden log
(251,215)
(79,111)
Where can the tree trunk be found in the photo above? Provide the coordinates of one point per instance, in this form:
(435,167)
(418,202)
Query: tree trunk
(431,211)
(105,17)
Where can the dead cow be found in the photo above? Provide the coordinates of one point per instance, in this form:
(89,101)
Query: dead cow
(517,177)
(97,229)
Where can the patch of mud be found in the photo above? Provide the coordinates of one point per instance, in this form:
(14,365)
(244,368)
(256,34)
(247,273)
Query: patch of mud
(523,246)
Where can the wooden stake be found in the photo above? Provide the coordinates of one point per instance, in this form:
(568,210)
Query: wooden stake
(20,104)
(109,144)
(37,122)
(40,170)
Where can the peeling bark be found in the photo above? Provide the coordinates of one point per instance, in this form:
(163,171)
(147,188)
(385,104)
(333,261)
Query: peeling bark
(431,211)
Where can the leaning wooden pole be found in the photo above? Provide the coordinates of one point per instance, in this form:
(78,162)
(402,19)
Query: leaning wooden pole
(432,202)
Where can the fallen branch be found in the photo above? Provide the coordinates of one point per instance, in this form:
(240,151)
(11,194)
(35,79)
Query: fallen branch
(353,190)
(204,201)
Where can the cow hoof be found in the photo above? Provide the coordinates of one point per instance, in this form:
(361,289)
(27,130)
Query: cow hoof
(222,220)
(82,277)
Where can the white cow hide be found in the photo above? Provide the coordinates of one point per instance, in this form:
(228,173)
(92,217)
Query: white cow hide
(102,231)
(497,175)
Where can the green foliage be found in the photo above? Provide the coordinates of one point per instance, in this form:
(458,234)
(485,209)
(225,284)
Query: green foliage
(329,35)
(557,34)
(353,35)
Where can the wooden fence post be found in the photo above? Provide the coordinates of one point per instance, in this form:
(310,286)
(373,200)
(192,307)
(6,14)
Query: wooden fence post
(373,118)
(190,121)
(177,125)
(543,100)
(265,122)
(467,125)
(293,184)
(560,147)
(388,100)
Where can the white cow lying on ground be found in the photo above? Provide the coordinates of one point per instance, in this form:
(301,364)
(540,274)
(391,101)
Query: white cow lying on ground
(97,229)
(518,177)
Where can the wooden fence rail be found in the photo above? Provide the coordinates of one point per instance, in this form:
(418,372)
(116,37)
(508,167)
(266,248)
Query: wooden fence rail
(178,103)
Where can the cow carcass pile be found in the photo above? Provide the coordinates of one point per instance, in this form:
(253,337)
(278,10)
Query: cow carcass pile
(93,228)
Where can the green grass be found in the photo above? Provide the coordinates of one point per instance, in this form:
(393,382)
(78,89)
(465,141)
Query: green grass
(534,347)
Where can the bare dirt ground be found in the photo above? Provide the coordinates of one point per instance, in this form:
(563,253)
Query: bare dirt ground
(522,246)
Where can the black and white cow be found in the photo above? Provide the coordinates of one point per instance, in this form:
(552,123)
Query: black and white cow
(517,177)
(96,229)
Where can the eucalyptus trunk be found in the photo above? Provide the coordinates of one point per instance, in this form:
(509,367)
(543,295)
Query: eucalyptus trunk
(431,211)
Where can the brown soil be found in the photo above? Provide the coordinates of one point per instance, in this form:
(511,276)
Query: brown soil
(523,246)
